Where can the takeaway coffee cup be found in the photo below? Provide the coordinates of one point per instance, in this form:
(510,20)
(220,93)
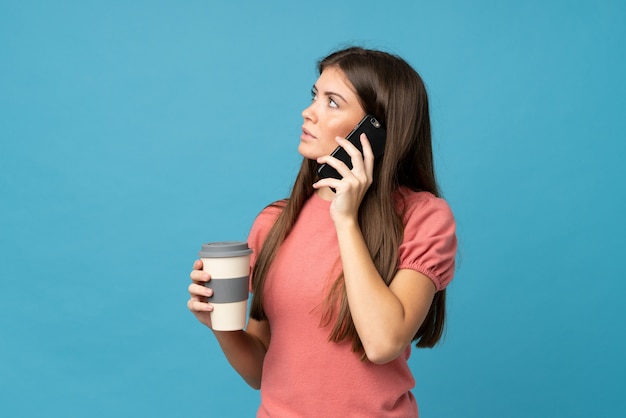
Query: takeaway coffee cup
(228,263)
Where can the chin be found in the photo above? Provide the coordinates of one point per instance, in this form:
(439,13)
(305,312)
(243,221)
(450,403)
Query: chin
(307,152)
(312,151)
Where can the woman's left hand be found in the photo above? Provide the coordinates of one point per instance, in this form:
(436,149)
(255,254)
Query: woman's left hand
(351,188)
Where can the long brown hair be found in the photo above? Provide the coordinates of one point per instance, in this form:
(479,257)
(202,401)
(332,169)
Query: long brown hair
(392,91)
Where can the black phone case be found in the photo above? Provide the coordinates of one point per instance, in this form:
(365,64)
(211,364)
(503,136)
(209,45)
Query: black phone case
(376,134)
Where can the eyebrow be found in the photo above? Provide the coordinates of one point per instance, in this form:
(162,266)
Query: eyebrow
(330,93)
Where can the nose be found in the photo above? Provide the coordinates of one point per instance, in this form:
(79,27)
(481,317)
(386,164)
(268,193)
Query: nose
(309,112)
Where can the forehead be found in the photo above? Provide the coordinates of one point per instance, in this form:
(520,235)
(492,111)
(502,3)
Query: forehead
(334,79)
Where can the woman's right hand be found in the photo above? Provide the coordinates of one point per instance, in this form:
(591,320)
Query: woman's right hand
(199,293)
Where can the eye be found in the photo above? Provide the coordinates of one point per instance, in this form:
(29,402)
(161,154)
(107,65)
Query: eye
(332,103)
(313,94)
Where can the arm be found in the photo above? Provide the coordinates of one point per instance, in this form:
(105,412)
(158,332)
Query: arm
(245,349)
(386,318)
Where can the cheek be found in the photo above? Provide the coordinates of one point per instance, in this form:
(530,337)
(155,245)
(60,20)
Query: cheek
(329,143)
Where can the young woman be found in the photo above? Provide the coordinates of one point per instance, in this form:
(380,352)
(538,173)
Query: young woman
(346,273)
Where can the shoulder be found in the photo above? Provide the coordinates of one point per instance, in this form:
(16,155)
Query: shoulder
(270,213)
(264,222)
(429,243)
(422,205)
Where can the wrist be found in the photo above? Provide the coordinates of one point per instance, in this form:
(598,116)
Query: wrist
(346,226)
(225,336)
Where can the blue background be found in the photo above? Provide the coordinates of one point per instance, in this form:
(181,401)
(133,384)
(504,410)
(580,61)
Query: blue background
(131,132)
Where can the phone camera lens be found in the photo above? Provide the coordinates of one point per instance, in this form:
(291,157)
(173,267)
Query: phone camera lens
(374,122)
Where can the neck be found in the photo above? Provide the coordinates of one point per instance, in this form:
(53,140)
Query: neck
(325,193)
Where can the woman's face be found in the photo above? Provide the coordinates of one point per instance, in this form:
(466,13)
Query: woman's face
(334,111)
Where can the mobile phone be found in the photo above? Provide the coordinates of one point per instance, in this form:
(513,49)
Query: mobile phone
(376,135)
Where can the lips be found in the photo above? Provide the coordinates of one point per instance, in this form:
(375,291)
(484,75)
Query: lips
(306,134)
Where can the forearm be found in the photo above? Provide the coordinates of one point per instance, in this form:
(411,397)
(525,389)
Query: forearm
(245,352)
(377,313)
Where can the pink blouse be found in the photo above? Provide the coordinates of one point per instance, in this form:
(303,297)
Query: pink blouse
(303,373)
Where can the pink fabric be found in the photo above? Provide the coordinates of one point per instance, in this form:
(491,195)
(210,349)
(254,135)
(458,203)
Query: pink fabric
(429,244)
(305,375)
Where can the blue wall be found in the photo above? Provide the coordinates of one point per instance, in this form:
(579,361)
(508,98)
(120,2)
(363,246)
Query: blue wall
(131,132)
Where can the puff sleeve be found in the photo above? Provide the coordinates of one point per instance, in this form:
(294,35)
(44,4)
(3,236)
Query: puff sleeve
(429,245)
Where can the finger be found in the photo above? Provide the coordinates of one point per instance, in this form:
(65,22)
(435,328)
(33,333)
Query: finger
(368,155)
(350,148)
(356,157)
(197,306)
(198,265)
(327,182)
(335,163)
(200,276)
(199,291)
